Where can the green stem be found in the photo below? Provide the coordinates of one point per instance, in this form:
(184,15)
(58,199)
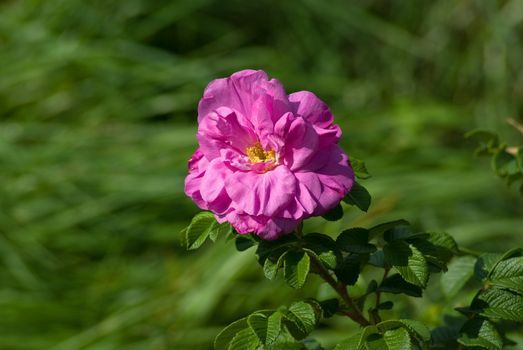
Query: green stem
(467,251)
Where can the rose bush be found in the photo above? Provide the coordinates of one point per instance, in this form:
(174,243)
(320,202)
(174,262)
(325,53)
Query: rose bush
(266,160)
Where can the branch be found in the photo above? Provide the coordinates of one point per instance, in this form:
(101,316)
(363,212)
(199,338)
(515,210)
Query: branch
(341,289)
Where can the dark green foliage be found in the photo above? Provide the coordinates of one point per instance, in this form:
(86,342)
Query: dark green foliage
(282,328)
(505,161)
(393,245)
(359,197)
(98,108)
(334,214)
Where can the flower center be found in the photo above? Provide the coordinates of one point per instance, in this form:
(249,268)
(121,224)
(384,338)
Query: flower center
(257,154)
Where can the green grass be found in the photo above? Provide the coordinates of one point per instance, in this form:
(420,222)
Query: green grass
(97,119)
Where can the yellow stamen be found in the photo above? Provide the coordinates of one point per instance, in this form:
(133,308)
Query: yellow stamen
(257,154)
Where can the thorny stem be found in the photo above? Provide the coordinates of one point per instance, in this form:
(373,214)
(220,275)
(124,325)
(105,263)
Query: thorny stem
(355,314)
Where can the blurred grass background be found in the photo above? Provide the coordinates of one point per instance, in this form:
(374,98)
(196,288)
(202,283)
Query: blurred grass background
(98,117)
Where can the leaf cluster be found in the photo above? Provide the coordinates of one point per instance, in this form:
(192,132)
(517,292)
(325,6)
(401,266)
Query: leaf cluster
(406,257)
(507,162)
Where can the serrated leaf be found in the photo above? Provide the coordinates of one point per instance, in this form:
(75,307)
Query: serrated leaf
(258,323)
(358,196)
(356,341)
(402,233)
(285,341)
(443,240)
(270,268)
(444,337)
(301,319)
(359,168)
(396,284)
(348,270)
(377,259)
(386,305)
(323,247)
(436,248)
(334,214)
(504,163)
(397,339)
(296,267)
(381,228)
(417,329)
(509,274)
(355,240)
(273,327)
(274,249)
(244,242)
(481,333)
(305,313)
(500,303)
(329,307)
(222,340)
(460,271)
(481,135)
(485,264)
(408,261)
(198,230)
(219,230)
(245,339)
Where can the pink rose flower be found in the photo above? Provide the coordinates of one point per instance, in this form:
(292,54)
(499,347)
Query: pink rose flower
(267,160)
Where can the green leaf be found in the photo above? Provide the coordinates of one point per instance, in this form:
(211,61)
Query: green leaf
(349,269)
(396,284)
(311,344)
(509,274)
(481,333)
(386,305)
(244,242)
(443,240)
(460,271)
(377,259)
(273,327)
(220,230)
(296,267)
(258,323)
(380,229)
(500,303)
(270,268)
(485,264)
(222,340)
(417,329)
(329,307)
(397,339)
(199,229)
(324,247)
(408,261)
(402,233)
(334,214)
(274,249)
(358,196)
(355,240)
(488,140)
(245,339)
(301,318)
(504,163)
(359,168)
(356,341)
(444,337)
